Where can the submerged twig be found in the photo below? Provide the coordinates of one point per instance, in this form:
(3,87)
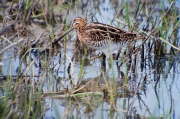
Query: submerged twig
(77,95)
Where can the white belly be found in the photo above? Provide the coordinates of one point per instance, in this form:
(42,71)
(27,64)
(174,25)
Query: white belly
(107,47)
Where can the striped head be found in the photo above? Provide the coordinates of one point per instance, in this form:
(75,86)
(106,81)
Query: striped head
(78,23)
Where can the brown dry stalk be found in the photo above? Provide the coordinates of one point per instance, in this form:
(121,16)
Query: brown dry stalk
(13,44)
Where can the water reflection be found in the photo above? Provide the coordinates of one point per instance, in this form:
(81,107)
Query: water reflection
(151,81)
(147,83)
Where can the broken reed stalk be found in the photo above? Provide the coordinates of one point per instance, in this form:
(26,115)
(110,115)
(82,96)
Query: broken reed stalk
(10,46)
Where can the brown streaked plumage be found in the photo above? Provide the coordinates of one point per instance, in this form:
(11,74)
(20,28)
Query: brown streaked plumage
(100,36)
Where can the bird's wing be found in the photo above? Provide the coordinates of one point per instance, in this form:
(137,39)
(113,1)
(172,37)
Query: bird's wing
(99,32)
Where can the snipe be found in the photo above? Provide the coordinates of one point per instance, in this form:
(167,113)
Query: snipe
(100,36)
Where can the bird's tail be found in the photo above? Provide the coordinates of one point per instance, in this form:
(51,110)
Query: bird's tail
(141,37)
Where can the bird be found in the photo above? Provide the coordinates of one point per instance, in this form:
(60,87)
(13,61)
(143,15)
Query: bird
(101,37)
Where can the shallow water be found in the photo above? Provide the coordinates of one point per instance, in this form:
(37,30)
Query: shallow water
(157,96)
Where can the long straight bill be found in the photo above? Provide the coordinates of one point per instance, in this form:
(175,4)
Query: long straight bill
(56,40)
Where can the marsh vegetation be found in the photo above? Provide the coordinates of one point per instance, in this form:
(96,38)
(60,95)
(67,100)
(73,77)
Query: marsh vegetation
(39,79)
